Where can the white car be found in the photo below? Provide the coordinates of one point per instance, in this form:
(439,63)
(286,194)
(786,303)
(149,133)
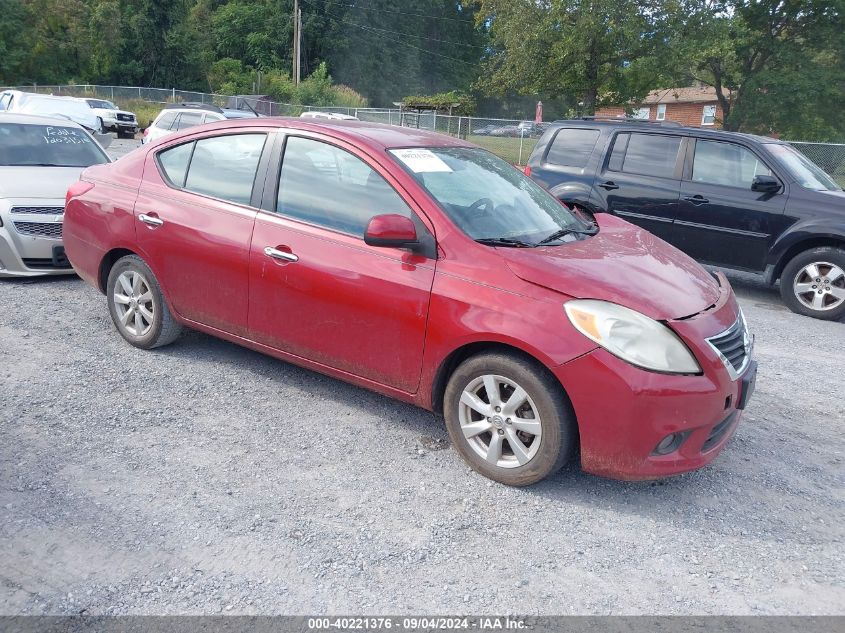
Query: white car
(68,108)
(317,114)
(113,119)
(179,116)
(40,158)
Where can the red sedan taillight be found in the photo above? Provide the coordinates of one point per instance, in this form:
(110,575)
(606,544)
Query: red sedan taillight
(77,189)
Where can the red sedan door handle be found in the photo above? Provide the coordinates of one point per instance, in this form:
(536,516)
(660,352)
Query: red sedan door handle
(151,220)
(284,256)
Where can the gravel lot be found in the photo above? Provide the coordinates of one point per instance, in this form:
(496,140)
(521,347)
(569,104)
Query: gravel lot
(205,478)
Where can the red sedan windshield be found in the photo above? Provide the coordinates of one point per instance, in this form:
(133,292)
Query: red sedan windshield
(485,196)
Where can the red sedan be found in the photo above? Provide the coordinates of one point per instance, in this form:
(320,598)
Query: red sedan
(427,269)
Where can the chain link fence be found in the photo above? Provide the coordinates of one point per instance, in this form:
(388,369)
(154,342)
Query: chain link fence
(511,139)
(829,156)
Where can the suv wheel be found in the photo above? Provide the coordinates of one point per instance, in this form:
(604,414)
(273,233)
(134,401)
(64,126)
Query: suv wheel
(137,305)
(508,418)
(813,283)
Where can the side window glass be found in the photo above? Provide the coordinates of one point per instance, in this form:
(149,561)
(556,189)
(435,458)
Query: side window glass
(572,147)
(189,119)
(325,185)
(617,154)
(174,163)
(166,120)
(726,164)
(225,166)
(647,155)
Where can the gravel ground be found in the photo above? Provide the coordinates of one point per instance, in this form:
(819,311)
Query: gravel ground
(205,478)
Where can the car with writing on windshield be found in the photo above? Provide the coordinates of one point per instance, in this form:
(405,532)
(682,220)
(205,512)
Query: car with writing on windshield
(40,158)
(459,284)
(734,200)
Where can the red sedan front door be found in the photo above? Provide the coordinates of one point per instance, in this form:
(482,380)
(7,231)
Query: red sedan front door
(317,290)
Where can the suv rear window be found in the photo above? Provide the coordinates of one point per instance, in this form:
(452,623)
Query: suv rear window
(571,147)
(645,154)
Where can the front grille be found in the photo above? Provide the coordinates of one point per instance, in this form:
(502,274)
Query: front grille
(717,433)
(40,229)
(34,262)
(125,117)
(733,346)
(39,210)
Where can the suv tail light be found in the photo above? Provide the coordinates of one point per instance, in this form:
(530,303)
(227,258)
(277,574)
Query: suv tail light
(77,189)
(527,170)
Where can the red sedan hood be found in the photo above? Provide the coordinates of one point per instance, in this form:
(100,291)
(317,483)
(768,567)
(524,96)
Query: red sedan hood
(622,264)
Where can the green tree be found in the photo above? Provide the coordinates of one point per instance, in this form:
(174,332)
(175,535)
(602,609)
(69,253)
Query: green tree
(776,65)
(600,51)
(13,40)
(387,50)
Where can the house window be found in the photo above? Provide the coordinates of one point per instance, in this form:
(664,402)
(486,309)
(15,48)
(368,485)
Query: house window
(642,113)
(708,115)
(661,112)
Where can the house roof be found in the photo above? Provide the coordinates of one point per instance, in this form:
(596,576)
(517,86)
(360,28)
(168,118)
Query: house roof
(690,94)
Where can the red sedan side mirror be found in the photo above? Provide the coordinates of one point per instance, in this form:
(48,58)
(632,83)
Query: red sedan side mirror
(391,229)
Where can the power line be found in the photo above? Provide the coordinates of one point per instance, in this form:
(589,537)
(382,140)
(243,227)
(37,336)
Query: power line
(418,15)
(422,37)
(376,30)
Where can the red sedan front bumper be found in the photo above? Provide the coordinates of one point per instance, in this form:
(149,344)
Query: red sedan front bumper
(624,412)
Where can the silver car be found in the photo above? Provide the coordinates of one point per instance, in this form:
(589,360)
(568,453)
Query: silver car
(40,157)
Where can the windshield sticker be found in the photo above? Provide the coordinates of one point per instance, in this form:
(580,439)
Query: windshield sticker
(420,161)
(65,135)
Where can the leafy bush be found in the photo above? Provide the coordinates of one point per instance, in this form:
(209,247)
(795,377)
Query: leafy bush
(443,102)
(145,111)
(230,76)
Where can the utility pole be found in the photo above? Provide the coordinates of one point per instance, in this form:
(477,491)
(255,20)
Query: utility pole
(297,40)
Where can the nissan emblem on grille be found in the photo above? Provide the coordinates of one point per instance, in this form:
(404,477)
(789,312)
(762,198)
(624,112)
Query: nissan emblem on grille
(733,347)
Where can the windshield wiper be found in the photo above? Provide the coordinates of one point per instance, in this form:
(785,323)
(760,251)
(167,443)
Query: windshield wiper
(563,233)
(504,241)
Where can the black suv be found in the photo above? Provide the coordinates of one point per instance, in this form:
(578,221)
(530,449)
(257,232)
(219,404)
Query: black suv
(725,198)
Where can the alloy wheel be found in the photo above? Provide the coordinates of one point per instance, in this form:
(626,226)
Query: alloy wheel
(820,286)
(133,301)
(500,421)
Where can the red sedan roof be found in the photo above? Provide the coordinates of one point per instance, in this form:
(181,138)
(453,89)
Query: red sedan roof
(375,135)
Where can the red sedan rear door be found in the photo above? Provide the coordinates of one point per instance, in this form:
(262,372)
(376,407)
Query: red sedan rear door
(194,219)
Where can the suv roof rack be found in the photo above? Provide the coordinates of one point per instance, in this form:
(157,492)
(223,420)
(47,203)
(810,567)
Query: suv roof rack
(194,105)
(622,119)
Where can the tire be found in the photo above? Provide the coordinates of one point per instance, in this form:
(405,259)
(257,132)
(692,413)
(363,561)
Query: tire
(132,288)
(100,127)
(545,446)
(826,264)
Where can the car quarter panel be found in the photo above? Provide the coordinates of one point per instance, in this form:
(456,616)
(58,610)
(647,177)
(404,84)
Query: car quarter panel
(102,219)
(481,301)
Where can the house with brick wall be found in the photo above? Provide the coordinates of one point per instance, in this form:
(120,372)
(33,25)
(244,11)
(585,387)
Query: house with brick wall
(695,106)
